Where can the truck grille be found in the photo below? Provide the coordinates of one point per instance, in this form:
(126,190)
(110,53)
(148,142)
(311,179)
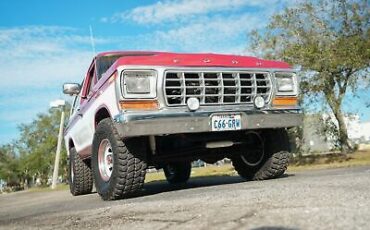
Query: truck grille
(215,88)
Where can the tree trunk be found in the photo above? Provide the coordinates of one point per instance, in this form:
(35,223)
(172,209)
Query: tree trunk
(342,128)
(335,105)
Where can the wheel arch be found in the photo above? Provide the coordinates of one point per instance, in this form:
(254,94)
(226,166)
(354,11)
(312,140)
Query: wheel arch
(101,113)
(70,145)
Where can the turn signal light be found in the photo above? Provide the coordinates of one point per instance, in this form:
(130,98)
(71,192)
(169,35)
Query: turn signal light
(285,101)
(139,104)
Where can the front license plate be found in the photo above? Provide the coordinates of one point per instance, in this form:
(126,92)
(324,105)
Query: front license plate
(224,122)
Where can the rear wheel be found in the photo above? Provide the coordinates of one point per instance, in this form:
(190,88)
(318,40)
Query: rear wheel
(178,172)
(119,166)
(270,163)
(80,176)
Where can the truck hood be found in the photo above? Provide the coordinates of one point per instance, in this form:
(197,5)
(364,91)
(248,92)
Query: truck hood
(194,60)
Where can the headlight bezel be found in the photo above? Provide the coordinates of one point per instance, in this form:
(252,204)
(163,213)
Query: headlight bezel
(132,73)
(279,76)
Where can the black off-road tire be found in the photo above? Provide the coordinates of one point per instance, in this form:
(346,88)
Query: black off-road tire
(275,161)
(129,163)
(178,172)
(80,176)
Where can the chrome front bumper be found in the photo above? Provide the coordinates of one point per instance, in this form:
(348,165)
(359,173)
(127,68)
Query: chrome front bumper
(144,123)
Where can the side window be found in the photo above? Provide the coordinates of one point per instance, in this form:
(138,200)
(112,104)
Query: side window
(75,105)
(88,83)
(92,80)
(104,63)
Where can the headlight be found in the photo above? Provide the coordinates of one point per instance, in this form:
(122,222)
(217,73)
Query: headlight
(139,83)
(285,84)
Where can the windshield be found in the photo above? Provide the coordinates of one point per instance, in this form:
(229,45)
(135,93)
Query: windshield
(103,64)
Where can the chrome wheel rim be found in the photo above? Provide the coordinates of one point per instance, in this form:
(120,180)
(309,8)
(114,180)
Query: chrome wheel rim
(105,159)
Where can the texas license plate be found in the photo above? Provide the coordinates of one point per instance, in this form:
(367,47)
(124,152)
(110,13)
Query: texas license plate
(224,122)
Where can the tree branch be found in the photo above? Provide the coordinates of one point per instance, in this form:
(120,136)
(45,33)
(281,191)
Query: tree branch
(343,87)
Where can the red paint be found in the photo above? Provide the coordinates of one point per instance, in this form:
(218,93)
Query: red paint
(86,152)
(192,60)
(100,86)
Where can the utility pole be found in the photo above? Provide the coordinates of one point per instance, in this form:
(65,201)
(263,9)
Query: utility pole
(60,104)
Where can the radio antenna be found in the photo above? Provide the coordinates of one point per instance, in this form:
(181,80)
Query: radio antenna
(92,40)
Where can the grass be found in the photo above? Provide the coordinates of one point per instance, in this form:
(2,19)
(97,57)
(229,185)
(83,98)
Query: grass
(212,170)
(359,158)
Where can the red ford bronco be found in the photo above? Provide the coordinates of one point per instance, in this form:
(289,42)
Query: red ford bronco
(136,110)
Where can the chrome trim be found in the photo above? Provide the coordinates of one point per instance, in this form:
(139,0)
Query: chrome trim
(161,69)
(295,84)
(153,85)
(171,121)
(71,89)
(105,159)
(176,80)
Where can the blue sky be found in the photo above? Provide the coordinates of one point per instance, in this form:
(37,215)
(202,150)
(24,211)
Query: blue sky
(46,43)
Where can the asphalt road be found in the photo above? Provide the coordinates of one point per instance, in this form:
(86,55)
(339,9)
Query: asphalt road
(325,199)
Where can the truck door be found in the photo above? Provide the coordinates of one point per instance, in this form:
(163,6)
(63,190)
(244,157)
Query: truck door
(84,128)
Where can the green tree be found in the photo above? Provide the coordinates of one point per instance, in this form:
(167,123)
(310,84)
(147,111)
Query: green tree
(37,146)
(33,154)
(9,165)
(330,40)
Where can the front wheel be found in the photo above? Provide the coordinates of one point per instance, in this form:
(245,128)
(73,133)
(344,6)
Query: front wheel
(178,172)
(119,166)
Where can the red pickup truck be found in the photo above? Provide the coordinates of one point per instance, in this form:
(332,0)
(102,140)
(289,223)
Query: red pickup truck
(136,110)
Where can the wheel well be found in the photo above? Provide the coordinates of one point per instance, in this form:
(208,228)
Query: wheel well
(71,144)
(101,114)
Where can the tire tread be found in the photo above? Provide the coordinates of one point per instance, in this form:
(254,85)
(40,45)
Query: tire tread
(82,180)
(276,162)
(129,174)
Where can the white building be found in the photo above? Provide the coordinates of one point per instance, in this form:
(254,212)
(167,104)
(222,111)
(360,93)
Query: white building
(2,185)
(357,130)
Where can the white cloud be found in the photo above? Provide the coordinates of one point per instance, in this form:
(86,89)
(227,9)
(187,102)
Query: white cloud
(37,56)
(170,11)
(220,26)
(207,35)
(36,41)
(34,63)
(43,71)
(219,34)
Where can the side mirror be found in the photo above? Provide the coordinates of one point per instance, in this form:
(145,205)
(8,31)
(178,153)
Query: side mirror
(71,88)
